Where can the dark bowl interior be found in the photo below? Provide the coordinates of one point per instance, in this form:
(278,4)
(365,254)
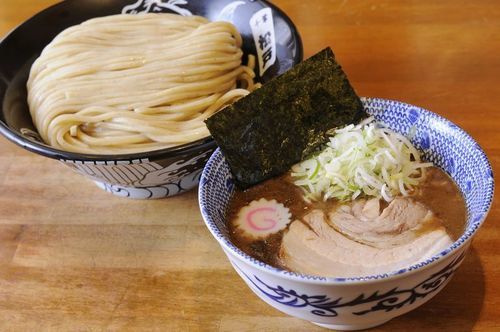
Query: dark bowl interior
(23,45)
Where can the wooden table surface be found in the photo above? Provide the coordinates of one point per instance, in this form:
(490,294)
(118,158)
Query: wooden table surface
(75,258)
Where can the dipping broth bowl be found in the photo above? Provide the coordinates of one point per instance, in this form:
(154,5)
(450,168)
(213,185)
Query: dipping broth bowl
(364,301)
(155,174)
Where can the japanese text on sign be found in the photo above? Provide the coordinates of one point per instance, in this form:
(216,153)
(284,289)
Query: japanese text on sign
(263,34)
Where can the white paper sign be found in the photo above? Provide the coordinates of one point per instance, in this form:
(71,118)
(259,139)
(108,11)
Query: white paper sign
(263,35)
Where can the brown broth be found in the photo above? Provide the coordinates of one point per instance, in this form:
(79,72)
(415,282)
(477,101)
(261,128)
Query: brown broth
(442,196)
(438,192)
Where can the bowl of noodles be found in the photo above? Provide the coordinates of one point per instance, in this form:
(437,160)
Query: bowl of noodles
(119,90)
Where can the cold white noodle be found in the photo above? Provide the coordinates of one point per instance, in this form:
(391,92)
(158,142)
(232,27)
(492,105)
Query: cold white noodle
(133,83)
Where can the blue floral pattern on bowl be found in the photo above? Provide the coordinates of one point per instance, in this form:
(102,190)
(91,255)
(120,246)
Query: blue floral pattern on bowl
(322,305)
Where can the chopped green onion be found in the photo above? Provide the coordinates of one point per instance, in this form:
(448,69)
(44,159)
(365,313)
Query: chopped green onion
(367,159)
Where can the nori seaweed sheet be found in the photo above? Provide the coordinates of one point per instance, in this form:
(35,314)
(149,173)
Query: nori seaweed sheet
(263,134)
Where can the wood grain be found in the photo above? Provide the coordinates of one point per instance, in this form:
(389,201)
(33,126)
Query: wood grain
(75,258)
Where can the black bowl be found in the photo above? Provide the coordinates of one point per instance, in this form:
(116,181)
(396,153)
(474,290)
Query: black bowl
(152,174)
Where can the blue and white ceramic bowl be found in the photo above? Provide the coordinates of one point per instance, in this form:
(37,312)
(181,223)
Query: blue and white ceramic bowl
(154,174)
(364,301)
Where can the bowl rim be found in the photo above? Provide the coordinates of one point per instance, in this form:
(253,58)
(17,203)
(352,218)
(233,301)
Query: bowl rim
(51,152)
(454,248)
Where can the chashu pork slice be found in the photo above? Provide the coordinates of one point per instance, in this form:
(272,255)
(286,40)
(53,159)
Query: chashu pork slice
(401,222)
(313,246)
